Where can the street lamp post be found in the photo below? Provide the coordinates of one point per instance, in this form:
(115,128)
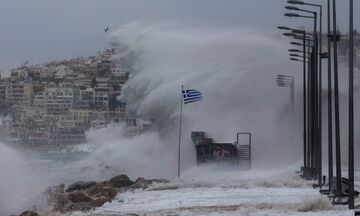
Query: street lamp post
(305,168)
(330,127)
(337,116)
(351,105)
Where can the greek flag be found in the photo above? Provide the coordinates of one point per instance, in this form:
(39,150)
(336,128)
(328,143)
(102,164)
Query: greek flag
(191,95)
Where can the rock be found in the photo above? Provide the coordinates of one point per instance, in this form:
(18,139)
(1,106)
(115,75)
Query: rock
(80,185)
(99,202)
(55,189)
(141,180)
(71,207)
(101,190)
(141,183)
(61,201)
(78,197)
(120,181)
(55,196)
(84,196)
(29,213)
(159,181)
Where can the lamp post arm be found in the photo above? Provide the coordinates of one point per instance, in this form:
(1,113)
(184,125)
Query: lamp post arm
(306,11)
(315,5)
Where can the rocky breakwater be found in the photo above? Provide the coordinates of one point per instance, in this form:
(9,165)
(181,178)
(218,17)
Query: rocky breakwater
(84,196)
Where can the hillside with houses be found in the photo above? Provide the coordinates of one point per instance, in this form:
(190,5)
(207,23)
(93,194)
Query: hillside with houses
(52,105)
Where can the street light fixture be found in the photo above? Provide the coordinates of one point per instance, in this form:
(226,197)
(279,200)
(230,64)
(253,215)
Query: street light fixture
(291,8)
(296,2)
(298,60)
(295,31)
(284,28)
(294,50)
(296,55)
(298,31)
(289,34)
(297,15)
(292,15)
(295,59)
(298,37)
(285,77)
(299,44)
(298,9)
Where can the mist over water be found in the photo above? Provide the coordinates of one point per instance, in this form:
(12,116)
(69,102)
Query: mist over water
(235,69)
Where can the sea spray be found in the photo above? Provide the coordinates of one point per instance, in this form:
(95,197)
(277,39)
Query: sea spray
(145,155)
(234,68)
(20,187)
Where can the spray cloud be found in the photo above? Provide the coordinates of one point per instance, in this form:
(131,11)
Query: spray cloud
(234,68)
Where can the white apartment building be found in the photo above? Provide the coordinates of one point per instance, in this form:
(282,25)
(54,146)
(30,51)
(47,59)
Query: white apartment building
(3,83)
(83,98)
(81,118)
(101,97)
(18,91)
(102,82)
(86,83)
(56,100)
(61,71)
(41,73)
(19,73)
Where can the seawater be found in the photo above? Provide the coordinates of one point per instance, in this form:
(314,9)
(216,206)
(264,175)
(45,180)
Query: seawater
(58,165)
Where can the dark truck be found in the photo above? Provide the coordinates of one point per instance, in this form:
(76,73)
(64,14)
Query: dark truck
(208,151)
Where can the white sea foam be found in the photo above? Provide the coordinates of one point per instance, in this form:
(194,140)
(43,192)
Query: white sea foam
(239,195)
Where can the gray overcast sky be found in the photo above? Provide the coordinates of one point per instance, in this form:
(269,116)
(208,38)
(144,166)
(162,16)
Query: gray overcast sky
(43,30)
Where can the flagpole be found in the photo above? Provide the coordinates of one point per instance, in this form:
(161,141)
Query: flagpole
(181,107)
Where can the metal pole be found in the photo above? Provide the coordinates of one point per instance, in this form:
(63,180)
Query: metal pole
(330,136)
(179,149)
(351,106)
(304,98)
(313,114)
(292,91)
(320,106)
(337,117)
(316,98)
(250,150)
(309,103)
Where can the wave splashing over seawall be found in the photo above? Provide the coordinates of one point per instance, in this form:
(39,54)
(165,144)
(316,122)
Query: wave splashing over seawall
(234,68)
